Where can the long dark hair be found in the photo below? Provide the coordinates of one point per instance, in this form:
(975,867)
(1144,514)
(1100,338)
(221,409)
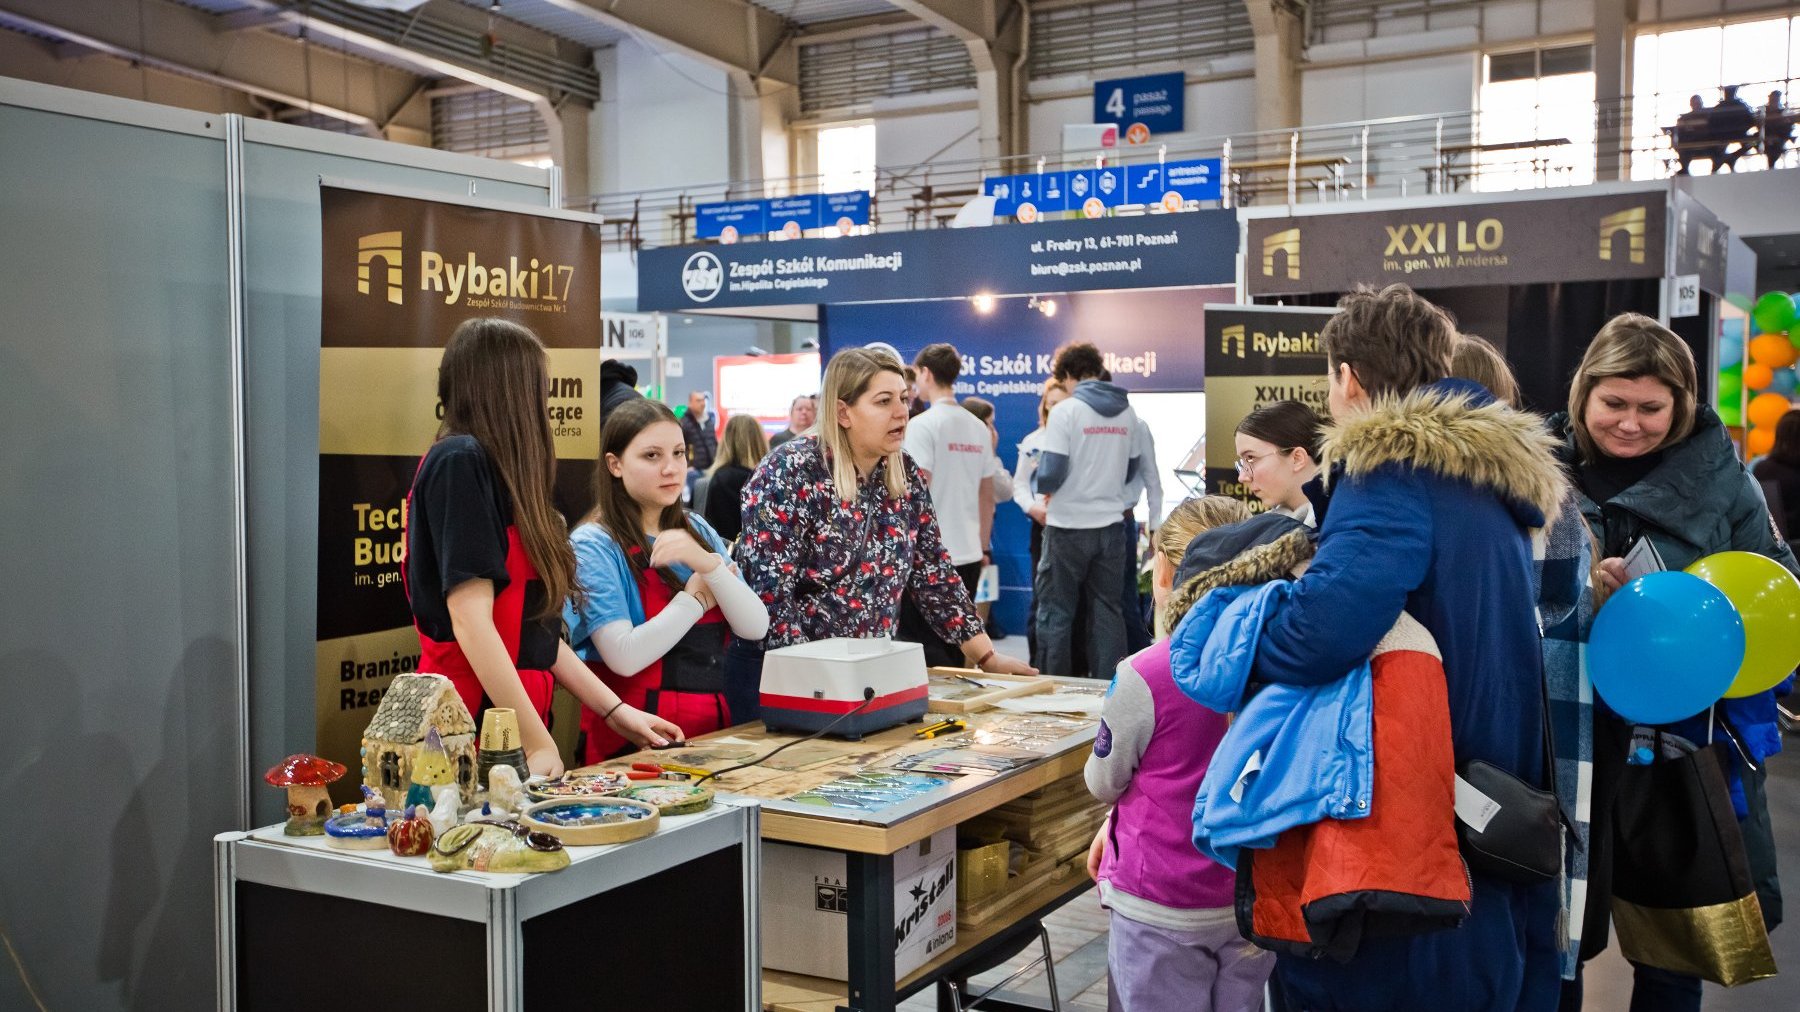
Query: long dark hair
(494,384)
(614,508)
(1285,425)
(1787,440)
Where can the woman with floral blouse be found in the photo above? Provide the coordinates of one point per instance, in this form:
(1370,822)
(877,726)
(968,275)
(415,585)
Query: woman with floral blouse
(838,525)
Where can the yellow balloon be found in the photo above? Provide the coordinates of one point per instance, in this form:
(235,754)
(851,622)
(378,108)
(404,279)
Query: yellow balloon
(1767,597)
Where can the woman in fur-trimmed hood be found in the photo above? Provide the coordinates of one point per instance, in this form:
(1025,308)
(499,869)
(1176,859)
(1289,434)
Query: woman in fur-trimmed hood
(1435,492)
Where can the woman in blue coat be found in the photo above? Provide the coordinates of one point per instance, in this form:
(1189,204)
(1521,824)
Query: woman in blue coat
(1650,462)
(1435,490)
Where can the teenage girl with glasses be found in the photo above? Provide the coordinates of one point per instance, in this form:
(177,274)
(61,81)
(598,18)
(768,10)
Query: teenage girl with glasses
(1277,454)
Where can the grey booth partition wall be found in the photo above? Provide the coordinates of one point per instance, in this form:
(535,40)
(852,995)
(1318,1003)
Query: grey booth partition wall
(118,643)
(282,168)
(123,748)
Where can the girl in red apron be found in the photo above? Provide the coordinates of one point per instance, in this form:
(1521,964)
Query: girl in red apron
(660,599)
(488,562)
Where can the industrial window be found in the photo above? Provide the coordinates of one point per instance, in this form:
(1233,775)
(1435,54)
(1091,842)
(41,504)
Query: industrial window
(847,158)
(1124,34)
(855,72)
(1538,95)
(1670,68)
(486,123)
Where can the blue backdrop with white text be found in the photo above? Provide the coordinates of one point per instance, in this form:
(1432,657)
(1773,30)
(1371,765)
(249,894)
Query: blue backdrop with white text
(1154,341)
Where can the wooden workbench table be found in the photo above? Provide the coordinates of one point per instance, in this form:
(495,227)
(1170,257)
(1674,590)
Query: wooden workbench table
(869,839)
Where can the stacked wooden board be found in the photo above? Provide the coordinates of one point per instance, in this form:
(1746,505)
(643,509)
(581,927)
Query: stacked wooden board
(1050,830)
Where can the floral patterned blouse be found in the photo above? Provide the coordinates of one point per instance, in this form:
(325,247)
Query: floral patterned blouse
(828,568)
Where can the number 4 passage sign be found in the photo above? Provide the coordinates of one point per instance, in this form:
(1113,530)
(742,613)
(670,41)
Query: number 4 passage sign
(1155,100)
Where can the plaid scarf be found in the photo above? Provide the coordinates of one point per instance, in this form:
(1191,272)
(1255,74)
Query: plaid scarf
(1565,612)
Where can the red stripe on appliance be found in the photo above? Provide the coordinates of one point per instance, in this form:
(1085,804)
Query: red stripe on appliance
(810,705)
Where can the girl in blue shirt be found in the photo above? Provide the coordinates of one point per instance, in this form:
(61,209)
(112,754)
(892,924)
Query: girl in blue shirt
(660,594)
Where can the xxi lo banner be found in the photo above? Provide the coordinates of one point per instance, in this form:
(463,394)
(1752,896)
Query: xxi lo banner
(399,275)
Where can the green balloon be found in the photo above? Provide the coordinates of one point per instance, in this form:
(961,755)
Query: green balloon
(1731,415)
(1774,313)
(1731,386)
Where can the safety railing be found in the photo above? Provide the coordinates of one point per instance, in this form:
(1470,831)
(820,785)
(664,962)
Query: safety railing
(1395,157)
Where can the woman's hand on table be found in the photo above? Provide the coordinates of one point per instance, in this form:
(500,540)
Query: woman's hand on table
(1001,664)
(544,760)
(643,728)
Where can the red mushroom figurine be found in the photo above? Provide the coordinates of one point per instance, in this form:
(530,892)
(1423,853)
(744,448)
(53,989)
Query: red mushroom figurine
(305,777)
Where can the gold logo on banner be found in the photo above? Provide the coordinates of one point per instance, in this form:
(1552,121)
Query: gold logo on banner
(1633,223)
(385,247)
(1282,242)
(1235,332)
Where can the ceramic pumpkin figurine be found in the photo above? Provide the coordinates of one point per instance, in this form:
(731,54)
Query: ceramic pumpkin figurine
(412,835)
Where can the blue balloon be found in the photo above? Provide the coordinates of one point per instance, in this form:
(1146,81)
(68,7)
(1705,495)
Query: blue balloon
(1665,647)
(1731,342)
(1785,382)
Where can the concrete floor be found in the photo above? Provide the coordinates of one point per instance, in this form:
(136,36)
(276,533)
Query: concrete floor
(1078,937)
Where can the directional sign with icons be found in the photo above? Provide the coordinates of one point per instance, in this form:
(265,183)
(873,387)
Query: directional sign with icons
(799,211)
(743,217)
(1197,179)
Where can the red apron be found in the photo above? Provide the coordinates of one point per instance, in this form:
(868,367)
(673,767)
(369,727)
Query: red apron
(509,615)
(685,687)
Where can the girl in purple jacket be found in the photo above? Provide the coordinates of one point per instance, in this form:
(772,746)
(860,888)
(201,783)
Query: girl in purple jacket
(1174,940)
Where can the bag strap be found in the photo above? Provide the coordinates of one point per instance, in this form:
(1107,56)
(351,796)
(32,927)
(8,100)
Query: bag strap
(1562,814)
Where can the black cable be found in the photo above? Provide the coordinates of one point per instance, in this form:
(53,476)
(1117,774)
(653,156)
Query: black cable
(868,700)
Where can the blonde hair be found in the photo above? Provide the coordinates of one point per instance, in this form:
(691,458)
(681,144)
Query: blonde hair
(1474,358)
(1183,524)
(847,378)
(1632,346)
(744,444)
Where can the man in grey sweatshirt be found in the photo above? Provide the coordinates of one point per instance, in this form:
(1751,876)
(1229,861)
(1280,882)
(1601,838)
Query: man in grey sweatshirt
(1090,453)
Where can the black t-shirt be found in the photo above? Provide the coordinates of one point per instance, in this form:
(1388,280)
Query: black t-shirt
(457,531)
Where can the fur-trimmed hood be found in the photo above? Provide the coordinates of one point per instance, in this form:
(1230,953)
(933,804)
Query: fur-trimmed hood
(1454,428)
(1273,560)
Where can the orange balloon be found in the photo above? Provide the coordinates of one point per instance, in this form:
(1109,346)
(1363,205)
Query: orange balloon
(1758,377)
(1760,441)
(1772,350)
(1765,411)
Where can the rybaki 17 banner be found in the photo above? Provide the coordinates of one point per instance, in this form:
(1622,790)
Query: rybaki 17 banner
(1255,356)
(399,275)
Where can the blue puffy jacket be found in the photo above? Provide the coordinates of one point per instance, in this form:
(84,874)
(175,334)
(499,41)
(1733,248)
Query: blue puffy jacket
(1313,741)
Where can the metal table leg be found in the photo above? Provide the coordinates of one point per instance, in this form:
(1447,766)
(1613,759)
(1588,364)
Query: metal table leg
(505,956)
(225,920)
(871,931)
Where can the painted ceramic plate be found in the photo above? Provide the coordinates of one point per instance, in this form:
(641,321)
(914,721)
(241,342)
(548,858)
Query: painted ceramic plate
(579,785)
(671,798)
(595,820)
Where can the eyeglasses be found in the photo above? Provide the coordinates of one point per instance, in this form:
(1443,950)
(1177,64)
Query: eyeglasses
(1247,462)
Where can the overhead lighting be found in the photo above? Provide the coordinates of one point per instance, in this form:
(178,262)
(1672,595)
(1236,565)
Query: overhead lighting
(1047,307)
(983,303)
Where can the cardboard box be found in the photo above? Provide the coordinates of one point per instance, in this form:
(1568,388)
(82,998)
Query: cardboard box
(806,906)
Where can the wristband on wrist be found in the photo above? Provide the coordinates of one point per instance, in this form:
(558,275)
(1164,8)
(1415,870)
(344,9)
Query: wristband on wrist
(608,714)
(981,665)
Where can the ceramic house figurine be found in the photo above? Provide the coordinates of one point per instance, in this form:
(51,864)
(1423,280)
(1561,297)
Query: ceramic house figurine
(413,705)
(306,778)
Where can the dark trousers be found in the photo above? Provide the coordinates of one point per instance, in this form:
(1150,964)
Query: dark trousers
(915,629)
(1131,603)
(1077,566)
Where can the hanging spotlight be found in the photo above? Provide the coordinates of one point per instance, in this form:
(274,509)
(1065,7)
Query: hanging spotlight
(1047,306)
(983,303)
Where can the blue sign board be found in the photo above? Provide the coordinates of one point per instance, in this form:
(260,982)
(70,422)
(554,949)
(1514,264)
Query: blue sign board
(1197,179)
(803,211)
(754,217)
(1156,100)
(748,217)
(853,205)
(1161,251)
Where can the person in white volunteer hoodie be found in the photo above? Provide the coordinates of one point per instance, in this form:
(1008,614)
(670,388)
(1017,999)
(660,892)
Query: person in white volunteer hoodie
(1091,453)
(955,452)
(1035,505)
